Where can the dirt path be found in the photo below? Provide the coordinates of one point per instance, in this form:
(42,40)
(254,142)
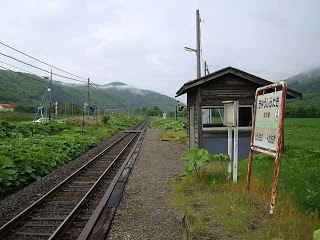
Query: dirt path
(145,211)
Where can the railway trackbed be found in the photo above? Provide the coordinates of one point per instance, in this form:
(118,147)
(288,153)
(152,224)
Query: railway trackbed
(81,206)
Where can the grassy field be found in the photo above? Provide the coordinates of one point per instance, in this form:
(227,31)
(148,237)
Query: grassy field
(16,117)
(216,208)
(174,130)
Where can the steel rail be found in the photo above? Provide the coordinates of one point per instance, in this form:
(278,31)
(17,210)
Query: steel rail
(10,225)
(95,216)
(58,233)
(86,231)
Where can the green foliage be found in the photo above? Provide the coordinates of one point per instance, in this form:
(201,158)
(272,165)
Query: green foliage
(25,160)
(196,158)
(105,119)
(27,152)
(316,235)
(168,124)
(11,130)
(308,107)
(14,116)
(121,122)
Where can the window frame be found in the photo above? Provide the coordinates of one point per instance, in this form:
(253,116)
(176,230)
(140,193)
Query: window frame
(225,128)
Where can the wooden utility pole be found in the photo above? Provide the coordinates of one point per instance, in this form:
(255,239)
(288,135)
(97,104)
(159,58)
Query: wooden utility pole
(72,106)
(50,86)
(88,98)
(198,20)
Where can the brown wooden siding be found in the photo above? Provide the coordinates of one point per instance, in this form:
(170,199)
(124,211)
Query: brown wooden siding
(213,93)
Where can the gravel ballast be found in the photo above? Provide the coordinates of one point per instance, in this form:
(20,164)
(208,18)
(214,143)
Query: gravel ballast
(145,211)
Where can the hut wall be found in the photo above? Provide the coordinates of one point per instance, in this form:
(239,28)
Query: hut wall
(213,93)
(191,102)
(228,87)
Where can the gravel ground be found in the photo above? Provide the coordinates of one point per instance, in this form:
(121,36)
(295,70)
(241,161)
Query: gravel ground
(13,204)
(145,211)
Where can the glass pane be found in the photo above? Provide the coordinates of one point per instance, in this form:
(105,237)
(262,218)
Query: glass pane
(212,117)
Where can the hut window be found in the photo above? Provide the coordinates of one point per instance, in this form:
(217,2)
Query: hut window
(212,117)
(245,116)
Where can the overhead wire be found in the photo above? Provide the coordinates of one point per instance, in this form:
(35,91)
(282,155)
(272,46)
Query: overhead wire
(40,60)
(41,68)
(20,69)
(93,85)
(38,80)
(22,74)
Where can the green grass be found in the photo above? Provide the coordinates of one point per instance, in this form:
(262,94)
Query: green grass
(217,208)
(174,130)
(300,164)
(16,117)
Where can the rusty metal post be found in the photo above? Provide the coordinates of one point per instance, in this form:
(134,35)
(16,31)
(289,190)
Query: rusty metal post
(277,162)
(251,142)
(249,169)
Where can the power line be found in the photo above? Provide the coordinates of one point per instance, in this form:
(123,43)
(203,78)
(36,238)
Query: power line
(41,61)
(41,68)
(20,69)
(23,75)
(57,81)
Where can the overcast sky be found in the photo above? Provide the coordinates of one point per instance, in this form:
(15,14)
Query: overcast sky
(141,43)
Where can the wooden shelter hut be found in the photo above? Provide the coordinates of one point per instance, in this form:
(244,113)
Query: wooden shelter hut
(205,108)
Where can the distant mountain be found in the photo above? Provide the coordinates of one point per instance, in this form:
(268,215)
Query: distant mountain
(308,83)
(22,91)
(305,75)
(139,97)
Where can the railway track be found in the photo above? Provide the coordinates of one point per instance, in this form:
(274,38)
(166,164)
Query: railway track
(72,209)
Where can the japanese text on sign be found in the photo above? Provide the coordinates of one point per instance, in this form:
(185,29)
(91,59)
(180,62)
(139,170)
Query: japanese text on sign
(267,120)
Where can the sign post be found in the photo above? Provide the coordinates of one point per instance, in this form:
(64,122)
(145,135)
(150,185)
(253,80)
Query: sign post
(231,119)
(267,129)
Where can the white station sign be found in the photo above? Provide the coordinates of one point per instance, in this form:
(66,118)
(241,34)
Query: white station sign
(267,120)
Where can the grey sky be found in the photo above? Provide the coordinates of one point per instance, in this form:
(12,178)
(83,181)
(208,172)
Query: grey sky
(141,42)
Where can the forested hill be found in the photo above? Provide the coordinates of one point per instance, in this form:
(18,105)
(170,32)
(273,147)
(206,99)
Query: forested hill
(26,93)
(308,83)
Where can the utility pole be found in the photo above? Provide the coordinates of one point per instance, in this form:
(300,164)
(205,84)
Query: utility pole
(198,20)
(118,107)
(88,98)
(72,107)
(50,102)
(94,113)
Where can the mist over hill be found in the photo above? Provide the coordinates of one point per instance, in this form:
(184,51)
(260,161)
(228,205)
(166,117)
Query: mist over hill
(308,83)
(20,90)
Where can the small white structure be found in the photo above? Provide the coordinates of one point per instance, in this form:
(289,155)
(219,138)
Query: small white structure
(6,108)
(164,115)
